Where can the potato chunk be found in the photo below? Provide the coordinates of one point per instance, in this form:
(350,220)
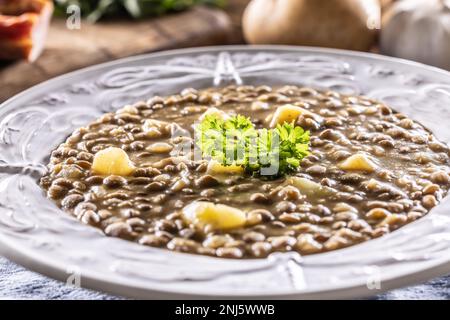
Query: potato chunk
(112,161)
(151,124)
(359,162)
(159,147)
(217,216)
(289,113)
(215,167)
(216,112)
(306,186)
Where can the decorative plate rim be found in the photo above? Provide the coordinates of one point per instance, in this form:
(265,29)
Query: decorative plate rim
(30,258)
(163,53)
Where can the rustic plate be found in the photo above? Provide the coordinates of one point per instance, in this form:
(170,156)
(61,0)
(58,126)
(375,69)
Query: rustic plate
(36,234)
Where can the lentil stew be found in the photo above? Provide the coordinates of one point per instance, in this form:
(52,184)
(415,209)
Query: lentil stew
(370,171)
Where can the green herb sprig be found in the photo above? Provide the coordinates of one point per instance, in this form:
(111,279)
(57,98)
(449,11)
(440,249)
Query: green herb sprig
(94,10)
(236,141)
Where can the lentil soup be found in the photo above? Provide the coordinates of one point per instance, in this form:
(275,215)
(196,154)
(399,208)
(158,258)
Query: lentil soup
(370,171)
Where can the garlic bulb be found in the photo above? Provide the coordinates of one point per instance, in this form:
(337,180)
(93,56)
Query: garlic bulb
(418,30)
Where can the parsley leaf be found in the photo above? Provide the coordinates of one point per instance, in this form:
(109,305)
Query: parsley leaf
(263,152)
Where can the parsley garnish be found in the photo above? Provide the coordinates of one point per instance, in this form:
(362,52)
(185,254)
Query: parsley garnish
(264,152)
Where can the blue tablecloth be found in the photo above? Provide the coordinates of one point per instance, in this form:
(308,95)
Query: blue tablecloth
(19,283)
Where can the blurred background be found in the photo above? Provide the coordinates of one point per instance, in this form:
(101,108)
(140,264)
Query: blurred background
(40,39)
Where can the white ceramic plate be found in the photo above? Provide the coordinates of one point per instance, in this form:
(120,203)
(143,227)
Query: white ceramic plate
(38,235)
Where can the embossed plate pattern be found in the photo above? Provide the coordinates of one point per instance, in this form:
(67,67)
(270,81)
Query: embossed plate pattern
(38,235)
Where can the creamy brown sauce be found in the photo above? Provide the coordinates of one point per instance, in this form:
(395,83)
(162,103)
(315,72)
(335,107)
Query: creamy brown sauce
(350,206)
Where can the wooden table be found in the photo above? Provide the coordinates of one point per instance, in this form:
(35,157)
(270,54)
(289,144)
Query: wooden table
(68,50)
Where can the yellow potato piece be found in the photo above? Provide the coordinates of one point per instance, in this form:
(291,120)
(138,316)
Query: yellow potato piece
(129,110)
(151,124)
(112,161)
(217,216)
(288,113)
(306,186)
(160,147)
(216,112)
(215,167)
(359,162)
